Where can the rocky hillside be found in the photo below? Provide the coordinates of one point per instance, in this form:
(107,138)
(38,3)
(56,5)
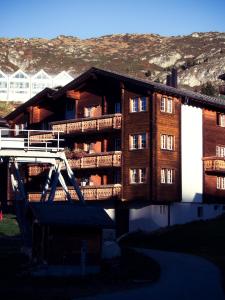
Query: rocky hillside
(199,57)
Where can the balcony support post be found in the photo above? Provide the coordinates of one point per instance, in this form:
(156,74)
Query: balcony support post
(47,183)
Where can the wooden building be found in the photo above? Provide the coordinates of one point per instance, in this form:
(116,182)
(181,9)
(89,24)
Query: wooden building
(132,141)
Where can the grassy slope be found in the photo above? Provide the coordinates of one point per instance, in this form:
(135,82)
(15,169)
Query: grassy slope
(9,226)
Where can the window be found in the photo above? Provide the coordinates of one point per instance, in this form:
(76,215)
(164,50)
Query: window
(167,142)
(134,105)
(3,84)
(162,209)
(138,141)
(169,105)
(142,140)
(200,211)
(117,144)
(143,104)
(220,183)
(117,176)
(166,105)
(138,104)
(167,176)
(220,151)
(137,175)
(221,120)
(163,104)
(117,107)
(88,112)
(142,175)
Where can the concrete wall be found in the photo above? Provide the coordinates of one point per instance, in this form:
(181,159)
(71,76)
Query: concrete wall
(153,217)
(148,218)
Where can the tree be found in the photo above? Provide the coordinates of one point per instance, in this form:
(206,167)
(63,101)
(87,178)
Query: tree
(208,89)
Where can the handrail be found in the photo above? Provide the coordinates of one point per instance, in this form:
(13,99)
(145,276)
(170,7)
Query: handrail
(86,119)
(28,139)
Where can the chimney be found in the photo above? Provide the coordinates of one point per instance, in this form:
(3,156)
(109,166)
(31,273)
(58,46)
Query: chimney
(171,79)
(174,78)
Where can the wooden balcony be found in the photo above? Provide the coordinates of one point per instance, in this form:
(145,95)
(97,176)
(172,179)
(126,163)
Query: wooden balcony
(104,122)
(102,192)
(88,161)
(97,160)
(214,164)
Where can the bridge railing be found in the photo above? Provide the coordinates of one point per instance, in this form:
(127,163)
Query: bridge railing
(30,140)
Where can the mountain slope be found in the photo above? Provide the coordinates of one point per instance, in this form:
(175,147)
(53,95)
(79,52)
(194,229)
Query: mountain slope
(199,57)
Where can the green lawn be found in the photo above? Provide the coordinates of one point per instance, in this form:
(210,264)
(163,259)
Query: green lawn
(9,226)
(203,238)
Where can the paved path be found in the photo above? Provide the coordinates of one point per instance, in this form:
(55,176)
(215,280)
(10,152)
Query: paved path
(183,277)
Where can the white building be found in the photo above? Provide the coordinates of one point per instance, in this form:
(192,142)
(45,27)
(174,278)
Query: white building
(20,87)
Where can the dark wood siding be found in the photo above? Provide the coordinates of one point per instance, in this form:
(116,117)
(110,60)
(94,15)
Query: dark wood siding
(166,123)
(135,123)
(213,135)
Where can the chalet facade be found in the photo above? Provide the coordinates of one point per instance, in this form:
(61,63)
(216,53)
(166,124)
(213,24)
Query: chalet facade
(132,142)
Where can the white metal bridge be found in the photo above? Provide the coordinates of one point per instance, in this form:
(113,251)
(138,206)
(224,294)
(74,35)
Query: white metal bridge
(23,147)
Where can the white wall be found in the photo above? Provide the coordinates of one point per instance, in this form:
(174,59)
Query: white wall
(181,213)
(148,218)
(191,153)
(153,217)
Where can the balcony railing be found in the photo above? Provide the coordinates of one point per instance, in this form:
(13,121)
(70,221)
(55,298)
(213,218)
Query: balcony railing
(103,122)
(102,192)
(214,164)
(89,161)
(97,160)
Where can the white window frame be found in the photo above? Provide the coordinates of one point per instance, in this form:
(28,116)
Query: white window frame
(138,141)
(134,104)
(222,120)
(138,175)
(166,104)
(167,142)
(220,151)
(142,175)
(163,104)
(138,104)
(143,103)
(133,176)
(143,141)
(134,144)
(220,183)
(169,108)
(167,176)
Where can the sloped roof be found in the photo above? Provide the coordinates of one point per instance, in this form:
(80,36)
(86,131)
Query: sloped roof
(69,214)
(187,95)
(34,100)
(151,85)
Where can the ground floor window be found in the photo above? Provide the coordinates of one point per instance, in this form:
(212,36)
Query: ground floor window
(137,175)
(167,176)
(220,183)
